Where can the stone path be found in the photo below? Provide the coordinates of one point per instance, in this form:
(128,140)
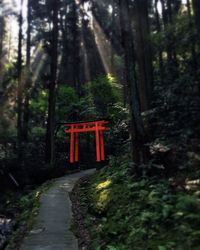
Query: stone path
(52,228)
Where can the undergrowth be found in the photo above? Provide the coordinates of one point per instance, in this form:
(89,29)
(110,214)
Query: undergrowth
(127,213)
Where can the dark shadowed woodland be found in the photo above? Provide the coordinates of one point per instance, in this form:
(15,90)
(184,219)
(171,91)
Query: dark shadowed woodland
(135,63)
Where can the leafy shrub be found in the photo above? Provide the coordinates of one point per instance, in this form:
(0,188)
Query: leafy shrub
(130,213)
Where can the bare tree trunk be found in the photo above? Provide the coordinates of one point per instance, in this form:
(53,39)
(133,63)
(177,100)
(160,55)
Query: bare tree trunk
(112,53)
(52,88)
(76,63)
(165,23)
(123,71)
(196,8)
(167,13)
(193,49)
(20,87)
(2,26)
(27,74)
(137,128)
(144,55)
(160,56)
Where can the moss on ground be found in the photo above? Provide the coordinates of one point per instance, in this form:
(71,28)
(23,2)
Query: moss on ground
(126,213)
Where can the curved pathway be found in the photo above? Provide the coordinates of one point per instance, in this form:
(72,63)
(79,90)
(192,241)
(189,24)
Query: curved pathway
(52,227)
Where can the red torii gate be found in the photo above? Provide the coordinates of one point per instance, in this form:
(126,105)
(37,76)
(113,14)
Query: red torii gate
(80,127)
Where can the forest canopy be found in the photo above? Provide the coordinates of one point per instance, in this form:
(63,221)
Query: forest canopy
(135,63)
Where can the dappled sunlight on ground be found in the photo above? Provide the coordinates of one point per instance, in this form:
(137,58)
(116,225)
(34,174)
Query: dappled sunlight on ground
(102,191)
(103,185)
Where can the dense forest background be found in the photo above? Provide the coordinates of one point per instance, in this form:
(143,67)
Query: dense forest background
(133,62)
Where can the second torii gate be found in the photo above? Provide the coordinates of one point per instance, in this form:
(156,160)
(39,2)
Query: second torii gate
(80,127)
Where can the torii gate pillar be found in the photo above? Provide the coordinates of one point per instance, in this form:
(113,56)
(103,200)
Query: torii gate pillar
(81,127)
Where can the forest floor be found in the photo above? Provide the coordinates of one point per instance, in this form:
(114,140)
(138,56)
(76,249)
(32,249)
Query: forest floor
(114,210)
(52,226)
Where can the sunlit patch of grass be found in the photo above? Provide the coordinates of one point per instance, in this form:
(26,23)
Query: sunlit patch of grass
(103,184)
(102,199)
(110,77)
(102,192)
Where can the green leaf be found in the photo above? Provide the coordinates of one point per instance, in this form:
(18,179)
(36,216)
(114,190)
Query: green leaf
(162,248)
(111,248)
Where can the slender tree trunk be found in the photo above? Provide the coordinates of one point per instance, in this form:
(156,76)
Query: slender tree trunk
(171,44)
(165,23)
(137,128)
(196,8)
(112,53)
(169,11)
(123,71)
(158,27)
(27,74)
(20,87)
(52,87)
(76,58)
(2,24)
(172,62)
(144,55)
(164,13)
(193,49)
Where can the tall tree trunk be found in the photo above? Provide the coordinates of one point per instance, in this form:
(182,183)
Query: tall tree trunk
(123,70)
(27,74)
(112,53)
(164,13)
(144,55)
(52,88)
(165,23)
(158,27)
(196,8)
(76,58)
(2,31)
(169,11)
(20,87)
(167,15)
(137,128)
(193,49)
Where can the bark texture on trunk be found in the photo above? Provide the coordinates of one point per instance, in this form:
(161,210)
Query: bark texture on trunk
(52,87)
(144,54)
(196,8)
(19,87)
(137,128)
(27,75)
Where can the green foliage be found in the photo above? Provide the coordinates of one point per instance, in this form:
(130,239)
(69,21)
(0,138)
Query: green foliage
(66,101)
(105,93)
(7,99)
(188,203)
(174,118)
(38,105)
(37,132)
(179,34)
(130,213)
(101,98)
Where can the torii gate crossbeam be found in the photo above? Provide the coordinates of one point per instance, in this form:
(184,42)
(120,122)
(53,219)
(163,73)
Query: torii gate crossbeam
(81,127)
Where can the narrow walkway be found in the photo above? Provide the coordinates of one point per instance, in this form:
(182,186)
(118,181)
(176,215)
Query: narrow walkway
(52,228)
